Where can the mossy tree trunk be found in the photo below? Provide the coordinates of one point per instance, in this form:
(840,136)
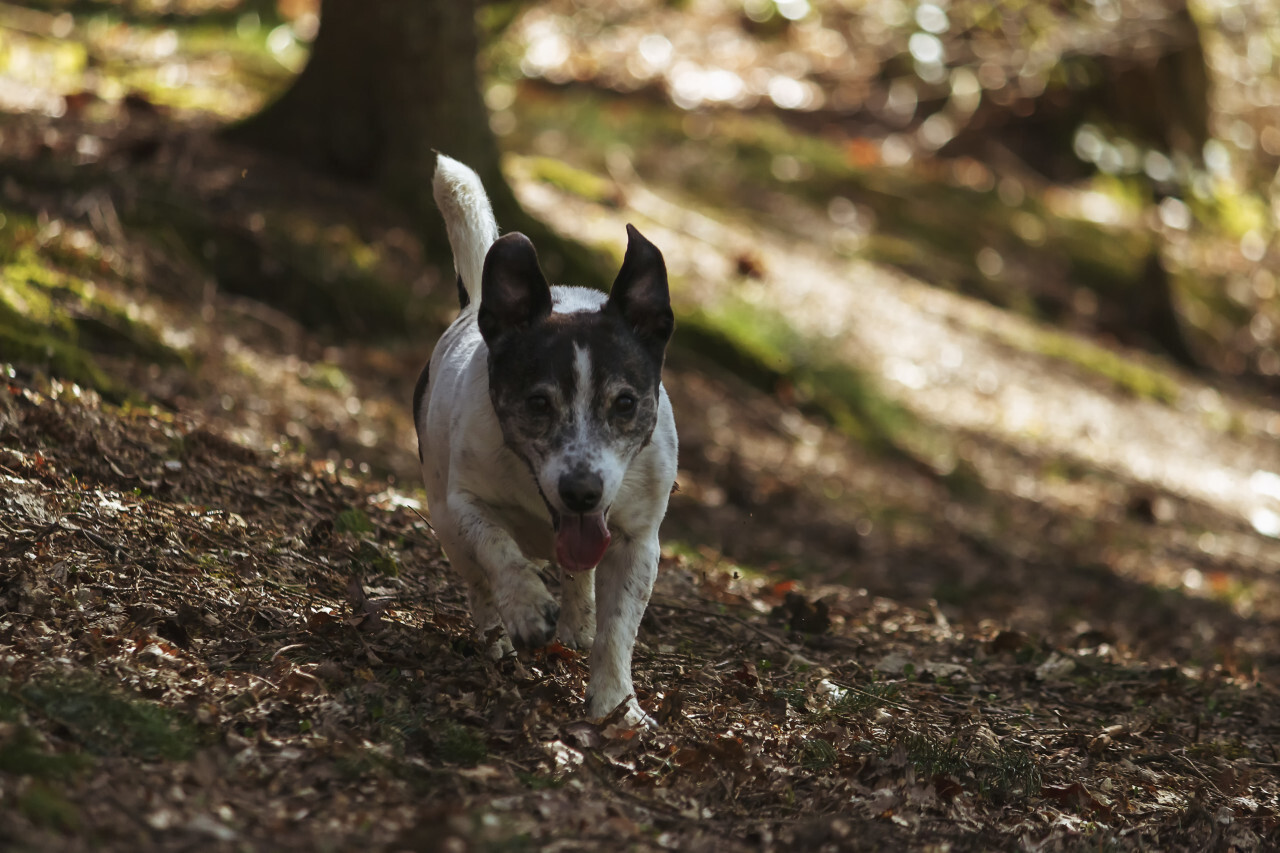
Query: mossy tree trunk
(388,83)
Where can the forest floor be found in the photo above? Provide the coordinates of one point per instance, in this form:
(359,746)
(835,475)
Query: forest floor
(1017,591)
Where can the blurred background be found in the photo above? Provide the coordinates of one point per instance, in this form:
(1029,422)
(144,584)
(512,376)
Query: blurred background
(977,302)
(1103,166)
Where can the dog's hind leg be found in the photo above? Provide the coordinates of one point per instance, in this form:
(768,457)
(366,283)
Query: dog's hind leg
(577,626)
(624,580)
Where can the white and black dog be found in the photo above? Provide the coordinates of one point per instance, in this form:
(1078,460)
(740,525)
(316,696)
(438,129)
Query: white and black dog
(545,434)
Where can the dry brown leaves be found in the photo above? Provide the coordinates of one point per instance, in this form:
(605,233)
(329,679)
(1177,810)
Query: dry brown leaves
(276,658)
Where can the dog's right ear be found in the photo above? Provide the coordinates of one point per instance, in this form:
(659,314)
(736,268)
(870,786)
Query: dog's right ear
(514,293)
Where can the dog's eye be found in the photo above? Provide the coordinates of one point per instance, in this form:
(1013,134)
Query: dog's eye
(538,404)
(624,405)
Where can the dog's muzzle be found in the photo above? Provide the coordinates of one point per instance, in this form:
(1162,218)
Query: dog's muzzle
(582,534)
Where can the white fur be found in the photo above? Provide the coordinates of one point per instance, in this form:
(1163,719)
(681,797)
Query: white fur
(486,508)
(468,217)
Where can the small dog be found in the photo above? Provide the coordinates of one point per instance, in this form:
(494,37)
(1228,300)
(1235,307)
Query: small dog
(544,433)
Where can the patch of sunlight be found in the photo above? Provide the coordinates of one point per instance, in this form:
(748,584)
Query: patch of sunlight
(1123,371)
(760,347)
(53,320)
(1265,522)
(559,174)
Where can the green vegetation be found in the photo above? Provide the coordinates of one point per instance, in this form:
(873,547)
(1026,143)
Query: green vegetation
(586,185)
(932,229)
(44,806)
(816,755)
(1124,372)
(324,274)
(57,320)
(353,520)
(1003,773)
(24,753)
(866,698)
(930,225)
(106,721)
(762,349)
(458,744)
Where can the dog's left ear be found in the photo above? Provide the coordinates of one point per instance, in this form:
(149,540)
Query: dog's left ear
(640,294)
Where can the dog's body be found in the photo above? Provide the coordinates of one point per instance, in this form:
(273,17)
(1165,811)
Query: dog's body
(545,434)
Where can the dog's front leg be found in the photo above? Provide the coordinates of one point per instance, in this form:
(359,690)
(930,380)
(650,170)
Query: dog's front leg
(624,580)
(577,626)
(527,609)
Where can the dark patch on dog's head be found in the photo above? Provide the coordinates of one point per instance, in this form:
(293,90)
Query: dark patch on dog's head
(514,293)
(538,359)
(533,375)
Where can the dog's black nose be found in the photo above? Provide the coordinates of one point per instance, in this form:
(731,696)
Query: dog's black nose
(581,490)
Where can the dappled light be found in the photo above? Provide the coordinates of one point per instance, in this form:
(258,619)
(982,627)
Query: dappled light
(975,539)
(1172,113)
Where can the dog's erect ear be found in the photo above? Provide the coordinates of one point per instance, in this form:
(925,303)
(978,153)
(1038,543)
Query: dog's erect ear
(513,291)
(640,294)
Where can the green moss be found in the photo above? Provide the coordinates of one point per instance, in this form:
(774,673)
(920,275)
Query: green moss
(44,806)
(353,520)
(33,334)
(1122,372)
(327,376)
(374,559)
(23,753)
(760,348)
(106,721)
(559,174)
(55,321)
(240,85)
(918,220)
(326,276)
(459,744)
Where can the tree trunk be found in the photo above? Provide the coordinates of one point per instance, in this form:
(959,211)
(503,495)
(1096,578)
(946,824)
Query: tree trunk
(388,83)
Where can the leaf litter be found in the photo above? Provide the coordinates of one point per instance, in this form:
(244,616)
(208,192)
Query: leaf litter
(205,654)
(211,639)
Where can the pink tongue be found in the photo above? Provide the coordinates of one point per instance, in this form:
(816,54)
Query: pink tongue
(581,541)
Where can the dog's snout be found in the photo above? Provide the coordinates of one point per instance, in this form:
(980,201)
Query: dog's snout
(581,490)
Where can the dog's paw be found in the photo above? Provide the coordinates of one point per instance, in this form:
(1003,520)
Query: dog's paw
(637,718)
(576,636)
(494,640)
(501,648)
(532,624)
(632,714)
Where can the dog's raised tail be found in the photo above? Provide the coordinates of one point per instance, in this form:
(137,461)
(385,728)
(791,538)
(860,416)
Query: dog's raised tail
(468,216)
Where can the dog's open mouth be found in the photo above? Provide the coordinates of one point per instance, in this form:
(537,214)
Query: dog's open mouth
(581,540)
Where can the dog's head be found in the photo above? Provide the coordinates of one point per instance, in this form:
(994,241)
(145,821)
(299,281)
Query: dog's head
(576,393)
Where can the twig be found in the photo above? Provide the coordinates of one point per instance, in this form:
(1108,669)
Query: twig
(900,706)
(113,550)
(597,767)
(425,520)
(23,544)
(726,616)
(1181,755)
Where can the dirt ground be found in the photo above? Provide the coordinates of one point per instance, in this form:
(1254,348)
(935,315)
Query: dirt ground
(1040,613)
